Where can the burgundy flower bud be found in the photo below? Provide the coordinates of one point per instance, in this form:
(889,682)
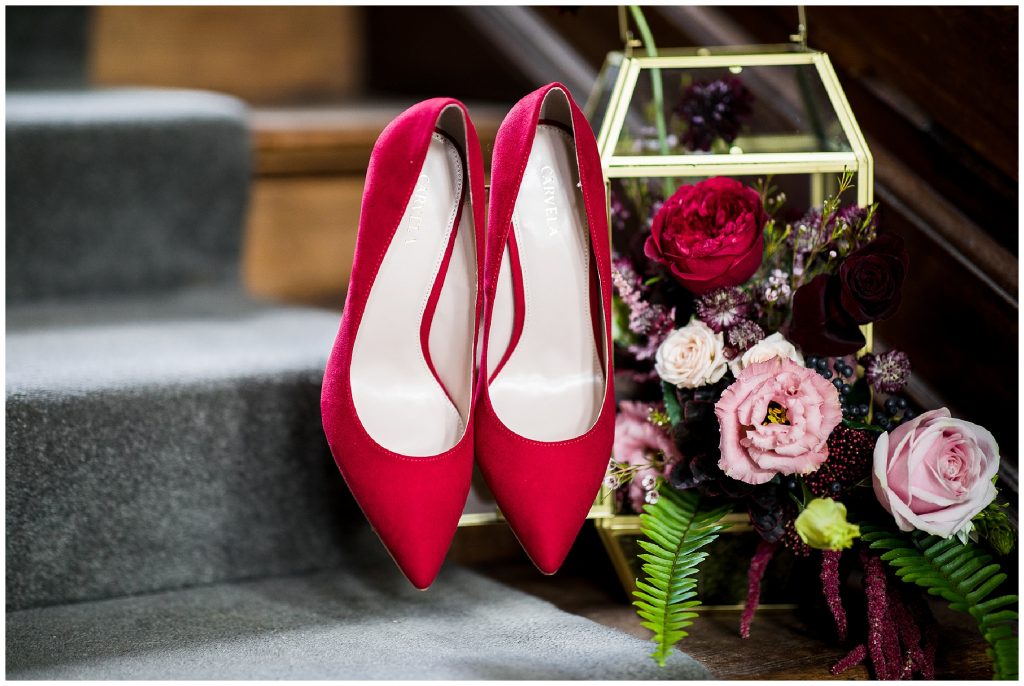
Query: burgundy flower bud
(871,279)
(819,325)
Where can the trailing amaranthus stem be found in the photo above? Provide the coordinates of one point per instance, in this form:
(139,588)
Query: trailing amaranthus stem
(830,587)
(758,564)
(852,659)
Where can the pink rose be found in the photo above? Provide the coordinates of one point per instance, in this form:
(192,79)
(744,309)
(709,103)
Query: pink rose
(775,419)
(636,441)
(934,473)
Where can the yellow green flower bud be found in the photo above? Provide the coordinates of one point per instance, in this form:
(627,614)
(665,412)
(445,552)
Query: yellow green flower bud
(823,525)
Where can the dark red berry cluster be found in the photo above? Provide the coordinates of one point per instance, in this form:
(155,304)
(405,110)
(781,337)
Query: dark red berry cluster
(850,452)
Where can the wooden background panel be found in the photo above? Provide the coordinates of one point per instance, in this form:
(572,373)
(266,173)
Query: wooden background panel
(301,237)
(261,54)
(338,139)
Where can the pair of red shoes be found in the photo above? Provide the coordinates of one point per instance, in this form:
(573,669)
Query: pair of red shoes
(407,401)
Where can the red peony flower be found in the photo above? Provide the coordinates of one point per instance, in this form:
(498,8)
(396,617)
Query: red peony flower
(710,235)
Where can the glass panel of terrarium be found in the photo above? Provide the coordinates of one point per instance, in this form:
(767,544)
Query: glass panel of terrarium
(724,110)
(601,96)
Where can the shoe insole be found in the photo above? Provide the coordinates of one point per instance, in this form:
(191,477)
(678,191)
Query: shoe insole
(551,386)
(413,398)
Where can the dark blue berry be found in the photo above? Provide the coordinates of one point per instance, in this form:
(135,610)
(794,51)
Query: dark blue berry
(811,361)
(862,410)
(827,373)
(909,414)
(838,366)
(847,371)
(793,485)
(902,403)
(838,383)
(820,363)
(847,389)
(890,406)
(885,423)
(836,487)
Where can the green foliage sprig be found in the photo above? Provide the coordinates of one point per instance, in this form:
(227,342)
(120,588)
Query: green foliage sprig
(961,573)
(675,529)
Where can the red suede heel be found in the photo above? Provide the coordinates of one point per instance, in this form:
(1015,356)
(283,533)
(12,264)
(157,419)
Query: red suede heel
(546,481)
(407,456)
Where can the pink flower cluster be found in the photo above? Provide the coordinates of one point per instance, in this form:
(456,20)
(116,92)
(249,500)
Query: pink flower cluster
(637,441)
(775,419)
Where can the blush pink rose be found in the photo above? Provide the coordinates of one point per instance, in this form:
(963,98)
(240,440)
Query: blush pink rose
(636,441)
(934,473)
(775,419)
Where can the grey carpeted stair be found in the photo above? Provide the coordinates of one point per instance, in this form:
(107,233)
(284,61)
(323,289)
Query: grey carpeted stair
(123,191)
(163,441)
(352,624)
(172,508)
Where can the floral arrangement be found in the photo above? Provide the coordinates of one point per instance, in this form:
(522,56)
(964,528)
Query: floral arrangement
(740,331)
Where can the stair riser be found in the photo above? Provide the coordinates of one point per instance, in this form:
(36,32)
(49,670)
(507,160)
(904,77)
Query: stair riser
(107,496)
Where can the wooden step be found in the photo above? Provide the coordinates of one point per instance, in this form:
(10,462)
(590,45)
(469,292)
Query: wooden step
(310,164)
(260,54)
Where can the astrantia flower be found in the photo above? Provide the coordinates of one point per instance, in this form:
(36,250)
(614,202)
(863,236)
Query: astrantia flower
(714,109)
(723,308)
(745,334)
(888,372)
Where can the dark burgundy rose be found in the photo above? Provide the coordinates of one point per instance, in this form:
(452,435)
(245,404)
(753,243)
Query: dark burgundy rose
(820,325)
(710,235)
(871,279)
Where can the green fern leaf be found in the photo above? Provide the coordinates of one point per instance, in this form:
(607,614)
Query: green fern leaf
(961,573)
(675,529)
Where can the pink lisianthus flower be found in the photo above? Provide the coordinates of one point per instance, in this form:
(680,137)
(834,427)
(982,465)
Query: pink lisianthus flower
(934,473)
(637,440)
(775,419)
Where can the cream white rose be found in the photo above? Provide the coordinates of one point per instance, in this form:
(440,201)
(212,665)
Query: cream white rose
(765,349)
(691,356)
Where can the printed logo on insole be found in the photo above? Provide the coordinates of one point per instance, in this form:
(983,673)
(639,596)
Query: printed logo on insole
(416,205)
(549,184)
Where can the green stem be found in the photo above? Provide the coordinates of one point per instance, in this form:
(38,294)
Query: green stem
(656,87)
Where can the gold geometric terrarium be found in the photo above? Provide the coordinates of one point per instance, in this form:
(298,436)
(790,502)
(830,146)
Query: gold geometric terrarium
(798,128)
(791,125)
